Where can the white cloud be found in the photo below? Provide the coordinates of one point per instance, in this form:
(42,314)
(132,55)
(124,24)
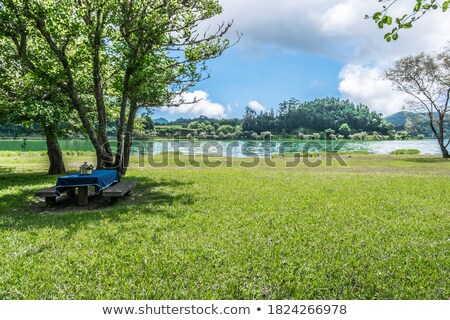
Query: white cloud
(255,105)
(339,20)
(334,28)
(337,29)
(202,107)
(365,85)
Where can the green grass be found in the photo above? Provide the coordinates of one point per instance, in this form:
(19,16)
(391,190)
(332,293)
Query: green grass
(405,151)
(378,228)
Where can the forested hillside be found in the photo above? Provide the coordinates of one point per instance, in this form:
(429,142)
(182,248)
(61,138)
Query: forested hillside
(316,116)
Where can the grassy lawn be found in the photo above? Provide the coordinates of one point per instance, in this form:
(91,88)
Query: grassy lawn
(378,228)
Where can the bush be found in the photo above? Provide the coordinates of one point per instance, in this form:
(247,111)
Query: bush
(332,137)
(266,135)
(225,129)
(237,135)
(328,132)
(405,151)
(391,134)
(248,134)
(345,130)
(358,136)
(377,136)
(402,135)
(254,136)
(322,136)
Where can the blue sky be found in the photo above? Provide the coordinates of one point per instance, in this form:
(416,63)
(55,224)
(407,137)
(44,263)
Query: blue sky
(306,49)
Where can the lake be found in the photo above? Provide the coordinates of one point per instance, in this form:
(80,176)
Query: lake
(236,148)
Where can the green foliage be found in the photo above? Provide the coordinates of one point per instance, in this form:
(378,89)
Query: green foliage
(421,7)
(202,127)
(405,151)
(415,123)
(317,115)
(109,57)
(226,128)
(359,136)
(174,132)
(402,135)
(345,130)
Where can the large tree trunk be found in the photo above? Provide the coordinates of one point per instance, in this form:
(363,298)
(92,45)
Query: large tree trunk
(444,151)
(123,108)
(443,147)
(54,151)
(129,137)
(439,134)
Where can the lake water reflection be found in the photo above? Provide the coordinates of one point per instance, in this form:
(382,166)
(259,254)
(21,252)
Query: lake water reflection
(236,148)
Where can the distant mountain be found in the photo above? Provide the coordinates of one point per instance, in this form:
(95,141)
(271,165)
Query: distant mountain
(399,119)
(414,123)
(160,121)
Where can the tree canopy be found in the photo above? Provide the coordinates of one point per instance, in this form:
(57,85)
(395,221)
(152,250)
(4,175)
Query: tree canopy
(111,57)
(315,116)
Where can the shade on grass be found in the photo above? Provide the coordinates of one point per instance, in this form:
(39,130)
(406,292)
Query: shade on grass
(376,229)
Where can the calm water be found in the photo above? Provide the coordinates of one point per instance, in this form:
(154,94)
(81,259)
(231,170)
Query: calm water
(235,148)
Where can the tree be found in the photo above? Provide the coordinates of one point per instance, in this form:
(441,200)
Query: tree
(426,79)
(314,116)
(226,128)
(345,130)
(201,126)
(24,101)
(114,57)
(383,18)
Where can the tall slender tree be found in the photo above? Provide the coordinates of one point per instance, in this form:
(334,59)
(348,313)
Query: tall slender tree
(426,79)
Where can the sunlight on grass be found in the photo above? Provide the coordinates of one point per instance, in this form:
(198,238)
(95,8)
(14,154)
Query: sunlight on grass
(376,229)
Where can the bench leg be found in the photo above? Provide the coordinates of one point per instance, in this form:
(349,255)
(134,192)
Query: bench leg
(50,200)
(71,193)
(82,196)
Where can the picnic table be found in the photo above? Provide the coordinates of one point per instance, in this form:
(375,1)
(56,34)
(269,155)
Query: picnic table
(100,179)
(105,182)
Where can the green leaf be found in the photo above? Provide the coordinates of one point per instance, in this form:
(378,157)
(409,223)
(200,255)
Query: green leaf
(445,6)
(389,20)
(418,6)
(376,16)
(407,25)
(395,36)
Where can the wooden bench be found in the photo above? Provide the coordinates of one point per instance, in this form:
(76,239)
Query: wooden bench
(118,190)
(50,196)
